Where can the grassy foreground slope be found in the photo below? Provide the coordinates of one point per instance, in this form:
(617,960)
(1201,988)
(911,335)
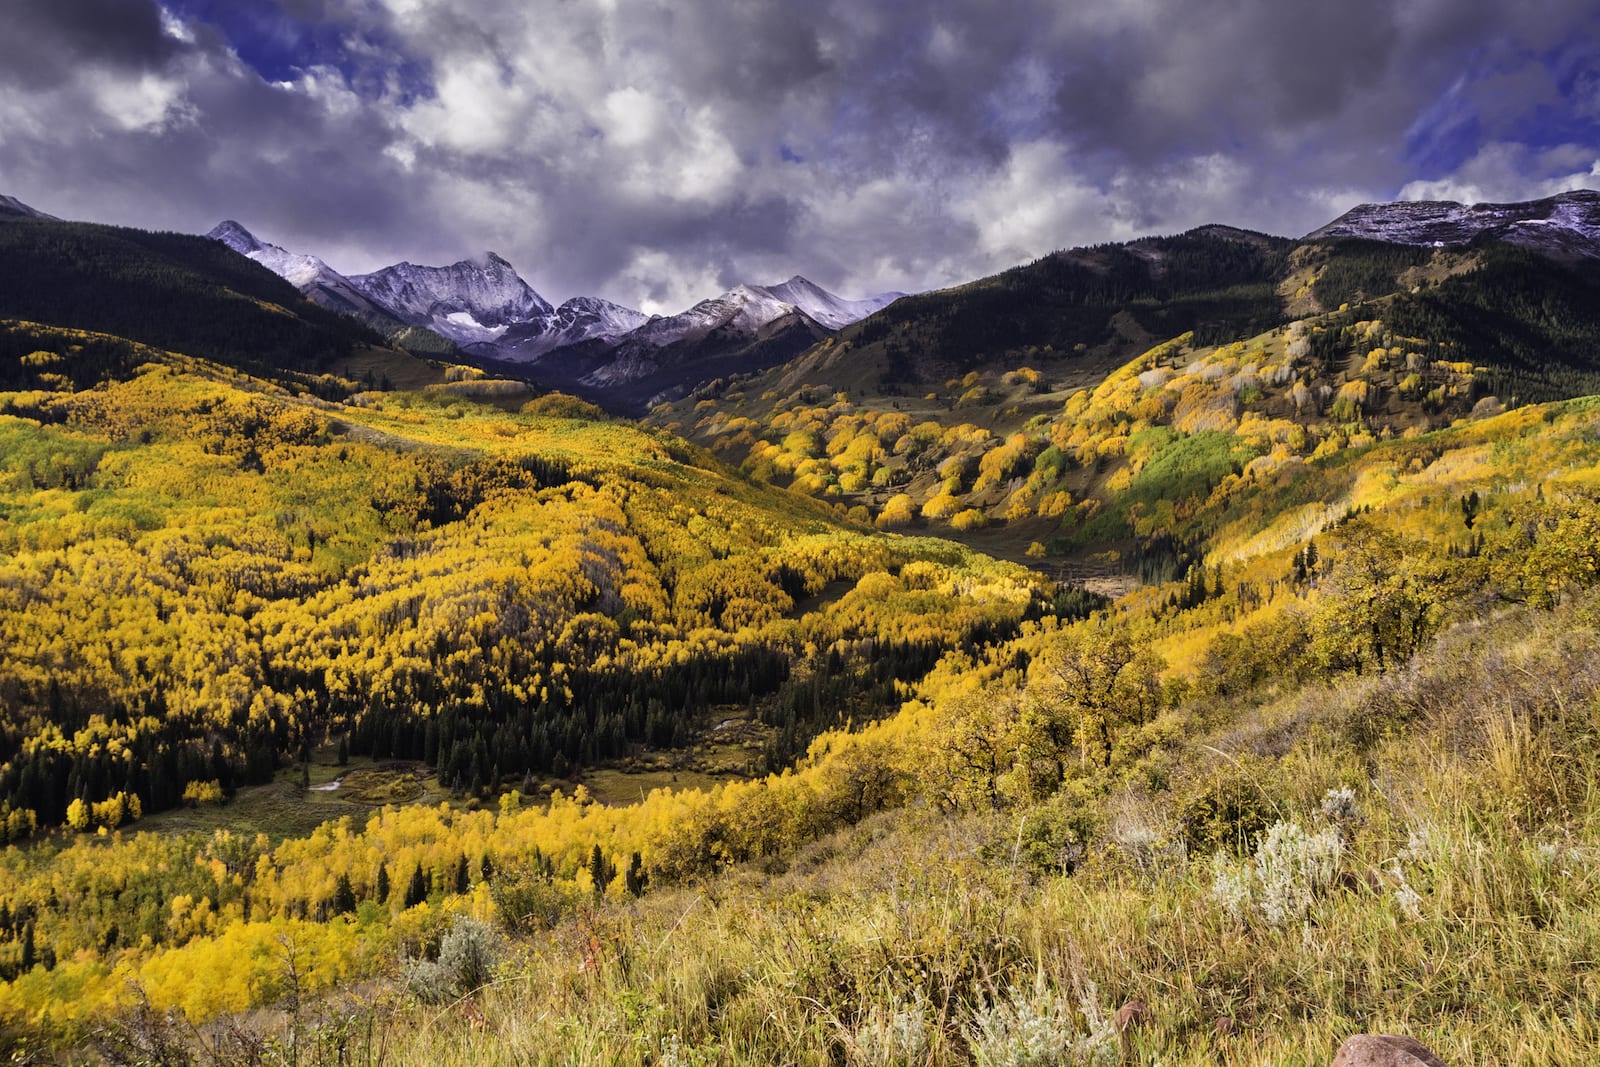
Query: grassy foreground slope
(1424,863)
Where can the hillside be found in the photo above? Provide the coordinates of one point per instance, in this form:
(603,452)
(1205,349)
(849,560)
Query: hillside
(169,291)
(1057,425)
(982,844)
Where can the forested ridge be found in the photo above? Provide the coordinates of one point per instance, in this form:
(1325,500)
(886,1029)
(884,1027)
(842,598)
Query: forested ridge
(169,291)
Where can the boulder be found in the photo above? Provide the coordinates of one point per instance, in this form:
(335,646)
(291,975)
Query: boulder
(1385,1050)
(1132,1015)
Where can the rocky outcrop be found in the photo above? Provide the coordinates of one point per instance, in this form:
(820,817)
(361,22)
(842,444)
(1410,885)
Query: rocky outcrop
(1385,1050)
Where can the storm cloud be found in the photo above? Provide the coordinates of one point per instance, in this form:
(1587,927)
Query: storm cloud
(655,152)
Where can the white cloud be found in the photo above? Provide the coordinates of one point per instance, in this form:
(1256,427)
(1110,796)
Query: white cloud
(144,102)
(1502,172)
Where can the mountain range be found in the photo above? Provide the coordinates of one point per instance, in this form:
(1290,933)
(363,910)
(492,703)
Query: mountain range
(615,354)
(1080,311)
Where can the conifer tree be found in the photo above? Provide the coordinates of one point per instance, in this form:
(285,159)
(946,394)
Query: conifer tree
(344,896)
(417,889)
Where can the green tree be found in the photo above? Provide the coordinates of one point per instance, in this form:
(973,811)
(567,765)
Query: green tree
(1088,681)
(636,878)
(344,896)
(1383,598)
(417,888)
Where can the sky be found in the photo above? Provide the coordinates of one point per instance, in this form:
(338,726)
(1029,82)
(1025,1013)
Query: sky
(655,152)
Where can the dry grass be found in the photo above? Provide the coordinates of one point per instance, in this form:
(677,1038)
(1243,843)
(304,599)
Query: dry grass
(1466,910)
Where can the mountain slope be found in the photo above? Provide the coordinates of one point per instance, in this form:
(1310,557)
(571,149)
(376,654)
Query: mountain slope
(320,283)
(1095,397)
(1566,225)
(10,205)
(173,291)
(471,302)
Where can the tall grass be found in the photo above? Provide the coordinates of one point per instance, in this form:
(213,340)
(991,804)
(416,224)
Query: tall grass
(1443,821)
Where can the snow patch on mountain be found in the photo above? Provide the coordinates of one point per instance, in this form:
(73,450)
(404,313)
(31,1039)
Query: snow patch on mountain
(1564,225)
(10,205)
(319,282)
(827,309)
(474,301)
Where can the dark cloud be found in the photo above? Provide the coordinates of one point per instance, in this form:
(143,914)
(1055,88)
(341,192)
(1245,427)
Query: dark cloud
(42,42)
(651,150)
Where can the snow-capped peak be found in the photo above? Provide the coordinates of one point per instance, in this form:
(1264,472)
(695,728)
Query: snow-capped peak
(319,282)
(752,306)
(471,302)
(236,237)
(1566,224)
(607,319)
(301,271)
(829,310)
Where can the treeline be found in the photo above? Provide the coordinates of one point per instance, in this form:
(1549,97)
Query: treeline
(1220,286)
(173,291)
(599,715)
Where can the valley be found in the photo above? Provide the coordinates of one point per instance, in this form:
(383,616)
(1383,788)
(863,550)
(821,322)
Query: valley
(1203,622)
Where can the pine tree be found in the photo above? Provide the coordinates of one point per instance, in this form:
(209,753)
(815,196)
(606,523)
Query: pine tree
(486,867)
(463,882)
(636,877)
(383,882)
(597,871)
(417,890)
(344,896)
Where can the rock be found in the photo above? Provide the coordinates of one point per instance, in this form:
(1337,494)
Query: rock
(1132,1015)
(1385,1050)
